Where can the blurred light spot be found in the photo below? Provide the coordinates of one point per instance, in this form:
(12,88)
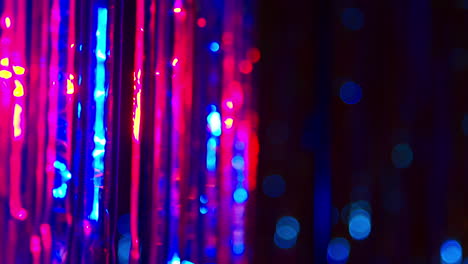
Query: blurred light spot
(79,110)
(18,70)
(350,93)
(203,199)
(274,186)
(239,145)
(359,224)
(175,259)
(123,249)
(352,18)
(229,104)
(35,244)
(177,10)
(203,210)
(60,192)
(175,61)
(287,229)
(17,120)
(5,62)
(402,156)
(5,74)
(70,85)
(465,125)
(253,54)
(451,252)
(228,122)
(19,89)
(22,214)
(238,248)
(240,195)
(214,122)
(7,22)
(214,46)
(338,250)
(211,154)
(201,22)
(238,162)
(245,67)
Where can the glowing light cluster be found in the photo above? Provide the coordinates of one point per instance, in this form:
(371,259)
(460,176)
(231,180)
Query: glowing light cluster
(287,230)
(359,220)
(99,99)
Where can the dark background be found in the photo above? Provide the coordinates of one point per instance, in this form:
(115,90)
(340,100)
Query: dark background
(410,59)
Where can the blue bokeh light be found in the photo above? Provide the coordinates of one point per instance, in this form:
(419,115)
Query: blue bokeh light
(287,228)
(284,243)
(338,250)
(359,224)
(123,250)
(451,252)
(240,195)
(214,46)
(203,210)
(350,93)
(274,186)
(238,248)
(214,122)
(238,162)
(402,156)
(352,18)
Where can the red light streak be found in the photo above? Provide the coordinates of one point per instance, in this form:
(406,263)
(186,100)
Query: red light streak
(135,160)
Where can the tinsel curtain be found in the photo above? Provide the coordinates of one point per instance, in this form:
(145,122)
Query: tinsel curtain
(128,131)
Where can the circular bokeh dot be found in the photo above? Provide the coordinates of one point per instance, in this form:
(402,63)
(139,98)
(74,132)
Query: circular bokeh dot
(338,250)
(274,186)
(359,225)
(402,156)
(350,93)
(451,252)
(352,18)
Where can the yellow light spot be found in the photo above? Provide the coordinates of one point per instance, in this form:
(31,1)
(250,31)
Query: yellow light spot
(19,89)
(5,74)
(229,104)
(136,118)
(18,70)
(72,45)
(175,61)
(7,22)
(228,122)
(17,120)
(177,10)
(70,86)
(5,62)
